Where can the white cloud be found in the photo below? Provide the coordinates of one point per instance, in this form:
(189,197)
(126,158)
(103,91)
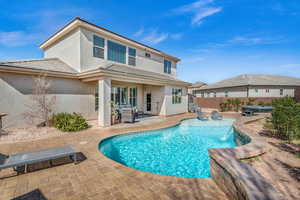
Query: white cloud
(139,32)
(17,38)
(155,37)
(255,40)
(199,9)
(203,13)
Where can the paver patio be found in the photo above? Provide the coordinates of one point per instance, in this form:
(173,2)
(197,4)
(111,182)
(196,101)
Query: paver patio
(98,177)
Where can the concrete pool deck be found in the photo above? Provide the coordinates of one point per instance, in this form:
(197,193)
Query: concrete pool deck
(98,177)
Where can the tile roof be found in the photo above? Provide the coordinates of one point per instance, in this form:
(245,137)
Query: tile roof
(139,72)
(47,64)
(197,84)
(254,79)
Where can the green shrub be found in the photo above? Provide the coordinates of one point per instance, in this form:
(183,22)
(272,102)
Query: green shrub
(261,103)
(286,118)
(69,122)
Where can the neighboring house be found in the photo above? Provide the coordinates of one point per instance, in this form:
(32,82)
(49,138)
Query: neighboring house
(89,66)
(195,86)
(252,86)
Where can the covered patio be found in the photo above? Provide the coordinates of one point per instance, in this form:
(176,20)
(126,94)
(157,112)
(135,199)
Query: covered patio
(149,93)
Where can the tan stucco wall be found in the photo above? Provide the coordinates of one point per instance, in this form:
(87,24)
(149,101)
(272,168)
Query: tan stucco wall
(168,107)
(67,49)
(154,64)
(71,96)
(76,49)
(274,91)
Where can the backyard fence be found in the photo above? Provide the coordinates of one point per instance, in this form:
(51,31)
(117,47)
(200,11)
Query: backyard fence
(214,102)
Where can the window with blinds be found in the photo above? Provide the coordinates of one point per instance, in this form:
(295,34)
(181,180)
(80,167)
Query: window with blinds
(116,52)
(131,56)
(98,48)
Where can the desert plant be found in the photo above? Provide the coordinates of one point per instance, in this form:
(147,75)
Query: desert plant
(261,103)
(236,104)
(250,102)
(69,122)
(286,118)
(223,106)
(42,103)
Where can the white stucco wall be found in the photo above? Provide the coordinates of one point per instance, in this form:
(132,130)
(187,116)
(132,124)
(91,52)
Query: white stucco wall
(76,49)
(168,108)
(67,49)
(154,64)
(71,96)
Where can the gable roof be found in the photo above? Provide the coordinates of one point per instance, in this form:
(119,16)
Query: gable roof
(197,84)
(78,22)
(254,80)
(56,67)
(44,64)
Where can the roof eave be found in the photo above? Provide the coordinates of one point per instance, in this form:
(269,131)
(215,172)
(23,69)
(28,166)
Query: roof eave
(78,22)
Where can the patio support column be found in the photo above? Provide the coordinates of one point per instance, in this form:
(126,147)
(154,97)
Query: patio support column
(104,111)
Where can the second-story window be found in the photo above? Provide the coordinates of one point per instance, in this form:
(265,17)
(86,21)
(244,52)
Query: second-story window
(98,48)
(131,56)
(167,66)
(116,52)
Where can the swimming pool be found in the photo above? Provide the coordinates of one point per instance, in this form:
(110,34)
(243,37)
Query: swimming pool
(180,151)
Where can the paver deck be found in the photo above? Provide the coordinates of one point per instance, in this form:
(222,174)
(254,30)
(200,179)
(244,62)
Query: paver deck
(98,177)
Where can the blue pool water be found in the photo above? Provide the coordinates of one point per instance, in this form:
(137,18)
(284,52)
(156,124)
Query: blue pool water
(180,151)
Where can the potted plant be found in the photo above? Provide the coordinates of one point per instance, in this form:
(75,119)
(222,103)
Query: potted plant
(114,113)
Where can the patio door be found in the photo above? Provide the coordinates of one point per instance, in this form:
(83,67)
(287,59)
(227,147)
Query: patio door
(148,102)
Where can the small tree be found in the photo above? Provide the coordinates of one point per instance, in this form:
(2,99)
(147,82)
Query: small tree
(42,104)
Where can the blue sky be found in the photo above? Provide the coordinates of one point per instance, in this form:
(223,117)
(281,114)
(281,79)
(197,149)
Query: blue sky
(215,39)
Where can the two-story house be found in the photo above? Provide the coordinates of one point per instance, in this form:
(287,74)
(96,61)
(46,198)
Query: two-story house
(89,67)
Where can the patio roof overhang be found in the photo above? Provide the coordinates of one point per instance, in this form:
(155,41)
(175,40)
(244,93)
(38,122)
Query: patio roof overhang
(102,73)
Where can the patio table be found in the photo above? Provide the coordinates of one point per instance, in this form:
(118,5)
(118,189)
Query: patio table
(1,116)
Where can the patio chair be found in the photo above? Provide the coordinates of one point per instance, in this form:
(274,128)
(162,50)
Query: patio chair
(215,115)
(24,159)
(201,115)
(192,107)
(128,115)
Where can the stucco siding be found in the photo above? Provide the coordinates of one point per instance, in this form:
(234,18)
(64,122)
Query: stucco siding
(88,61)
(71,96)
(271,91)
(254,91)
(168,107)
(67,49)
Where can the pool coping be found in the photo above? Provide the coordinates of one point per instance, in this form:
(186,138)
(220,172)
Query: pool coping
(247,183)
(238,179)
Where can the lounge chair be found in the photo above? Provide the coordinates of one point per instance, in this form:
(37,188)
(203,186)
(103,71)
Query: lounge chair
(201,115)
(24,159)
(215,115)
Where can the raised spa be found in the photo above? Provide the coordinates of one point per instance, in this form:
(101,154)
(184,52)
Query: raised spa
(180,151)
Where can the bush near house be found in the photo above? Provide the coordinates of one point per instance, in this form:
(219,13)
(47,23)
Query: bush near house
(285,118)
(69,122)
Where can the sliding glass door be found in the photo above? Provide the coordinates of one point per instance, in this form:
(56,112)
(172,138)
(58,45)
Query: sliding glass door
(120,95)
